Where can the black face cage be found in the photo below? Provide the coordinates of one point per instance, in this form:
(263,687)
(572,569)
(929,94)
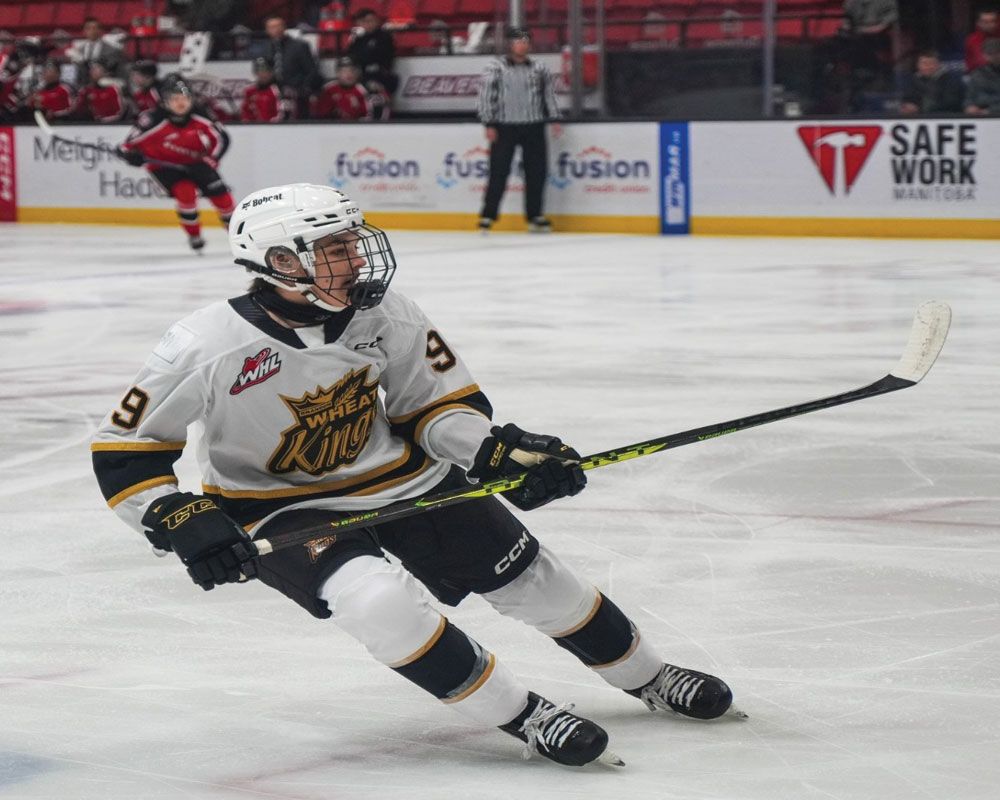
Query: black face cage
(372,281)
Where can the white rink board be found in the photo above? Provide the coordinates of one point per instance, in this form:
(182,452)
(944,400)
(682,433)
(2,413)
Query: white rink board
(766,169)
(599,169)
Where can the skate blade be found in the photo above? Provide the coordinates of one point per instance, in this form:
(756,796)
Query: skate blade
(610,759)
(736,712)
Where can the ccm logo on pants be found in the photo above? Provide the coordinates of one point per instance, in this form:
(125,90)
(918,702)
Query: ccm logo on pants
(513,555)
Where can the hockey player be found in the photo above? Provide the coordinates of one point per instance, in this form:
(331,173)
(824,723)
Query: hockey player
(181,144)
(262,100)
(101,100)
(143,90)
(53,98)
(347,99)
(286,382)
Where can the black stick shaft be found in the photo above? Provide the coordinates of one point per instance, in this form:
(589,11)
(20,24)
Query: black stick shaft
(408,508)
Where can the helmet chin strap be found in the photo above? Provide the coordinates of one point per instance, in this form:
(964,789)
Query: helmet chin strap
(304,313)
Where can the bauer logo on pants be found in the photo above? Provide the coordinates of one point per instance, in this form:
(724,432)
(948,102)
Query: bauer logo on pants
(331,428)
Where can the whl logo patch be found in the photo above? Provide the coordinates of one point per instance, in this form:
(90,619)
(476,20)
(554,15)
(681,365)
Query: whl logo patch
(839,152)
(256,369)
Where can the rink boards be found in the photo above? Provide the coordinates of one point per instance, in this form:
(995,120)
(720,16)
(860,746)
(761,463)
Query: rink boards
(923,178)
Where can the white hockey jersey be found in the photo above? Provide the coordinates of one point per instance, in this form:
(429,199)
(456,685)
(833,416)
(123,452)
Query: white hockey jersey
(368,408)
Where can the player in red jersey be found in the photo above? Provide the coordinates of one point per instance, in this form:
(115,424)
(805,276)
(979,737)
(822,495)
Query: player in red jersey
(180,144)
(101,100)
(142,86)
(53,98)
(347,99)
(262,100)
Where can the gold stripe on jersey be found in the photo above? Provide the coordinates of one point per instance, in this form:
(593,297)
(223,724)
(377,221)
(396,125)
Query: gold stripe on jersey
(437,412)
(325,486)
(98,447)
(423,649)
(152,483)
(458,393)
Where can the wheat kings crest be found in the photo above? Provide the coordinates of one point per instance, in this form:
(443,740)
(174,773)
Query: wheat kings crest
(332,426)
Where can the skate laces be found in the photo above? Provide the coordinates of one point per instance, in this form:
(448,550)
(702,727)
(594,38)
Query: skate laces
(548,727)
(671,688)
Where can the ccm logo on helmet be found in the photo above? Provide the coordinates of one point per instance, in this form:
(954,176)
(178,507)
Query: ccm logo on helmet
(515,553)
(259,201)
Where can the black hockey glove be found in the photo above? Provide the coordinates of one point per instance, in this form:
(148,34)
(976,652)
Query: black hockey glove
(213,547)
(133,157)
(551,467)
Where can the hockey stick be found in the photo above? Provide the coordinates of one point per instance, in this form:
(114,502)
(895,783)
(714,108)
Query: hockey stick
(930,328)
(49,131)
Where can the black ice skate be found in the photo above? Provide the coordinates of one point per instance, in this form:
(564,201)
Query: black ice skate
(540,225)
(691,693)
(552,731)
(485,223)
(196,243)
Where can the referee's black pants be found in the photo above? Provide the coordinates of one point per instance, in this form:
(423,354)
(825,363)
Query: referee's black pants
(534,153)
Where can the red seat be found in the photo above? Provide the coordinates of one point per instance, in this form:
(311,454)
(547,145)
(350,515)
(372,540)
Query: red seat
(619,35)
(10,17)
(70,16)
(39,15)
(478,9)
(437,9)
(107,13)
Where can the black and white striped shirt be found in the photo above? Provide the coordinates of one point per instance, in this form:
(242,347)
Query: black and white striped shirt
(517,94)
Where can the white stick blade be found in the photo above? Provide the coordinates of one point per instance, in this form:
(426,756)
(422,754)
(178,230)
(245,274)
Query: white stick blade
(930,329)
(43,123)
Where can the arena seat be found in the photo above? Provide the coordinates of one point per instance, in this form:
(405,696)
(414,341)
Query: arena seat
(70,15)
(108,13)
(38,16)
(437,9)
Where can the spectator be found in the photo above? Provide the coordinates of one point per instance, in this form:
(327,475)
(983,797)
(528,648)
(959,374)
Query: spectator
(984,84)
(294,66)
(143,88)
(516,99)
(262,100)
(347,99)
(986,29)
(867,45)
(870,17)
(372,48)
(933,89)
(53,98)
(93,48)
(11,66)
(101,100)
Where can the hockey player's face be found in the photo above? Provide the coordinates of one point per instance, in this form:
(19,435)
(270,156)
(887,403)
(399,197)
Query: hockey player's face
(179,103)
(338,263)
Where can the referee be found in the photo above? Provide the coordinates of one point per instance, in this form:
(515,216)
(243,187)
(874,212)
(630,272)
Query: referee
(516,99)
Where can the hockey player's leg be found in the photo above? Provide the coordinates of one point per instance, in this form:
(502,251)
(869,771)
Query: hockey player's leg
(185,194)
(579,618)
(389,612)
(210,183)
(224,205)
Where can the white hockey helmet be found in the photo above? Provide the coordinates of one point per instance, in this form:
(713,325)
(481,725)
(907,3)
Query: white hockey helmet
(273,230)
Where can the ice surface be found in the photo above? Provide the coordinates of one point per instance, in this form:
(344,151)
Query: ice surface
(841,570)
